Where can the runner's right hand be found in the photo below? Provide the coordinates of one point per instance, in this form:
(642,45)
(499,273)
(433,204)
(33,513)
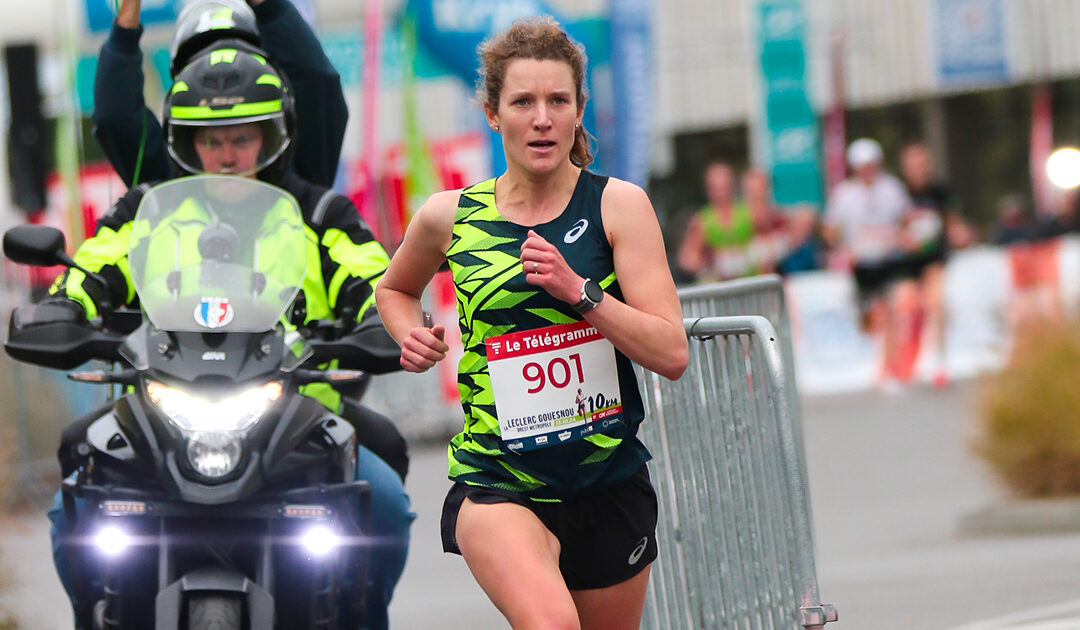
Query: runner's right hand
(423,348)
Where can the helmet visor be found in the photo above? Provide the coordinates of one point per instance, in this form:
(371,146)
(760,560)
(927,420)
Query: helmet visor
(230,146)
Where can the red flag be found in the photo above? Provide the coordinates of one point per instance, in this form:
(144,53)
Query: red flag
(835,164)
(1042,141)
(372,50)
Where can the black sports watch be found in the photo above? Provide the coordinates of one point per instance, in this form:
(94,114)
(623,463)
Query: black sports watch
(591,295)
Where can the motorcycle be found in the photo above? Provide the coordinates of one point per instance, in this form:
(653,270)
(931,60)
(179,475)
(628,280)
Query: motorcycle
(211,494)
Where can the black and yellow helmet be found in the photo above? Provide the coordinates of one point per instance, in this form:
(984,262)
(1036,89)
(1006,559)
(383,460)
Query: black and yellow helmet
(224,87)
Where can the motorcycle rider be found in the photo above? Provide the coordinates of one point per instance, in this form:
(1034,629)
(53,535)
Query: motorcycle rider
(131,137)
(229,112)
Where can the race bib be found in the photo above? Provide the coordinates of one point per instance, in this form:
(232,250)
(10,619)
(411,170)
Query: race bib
(553,385)
(732,262)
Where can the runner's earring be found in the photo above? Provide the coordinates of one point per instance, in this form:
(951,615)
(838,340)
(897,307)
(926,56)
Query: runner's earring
(496,128)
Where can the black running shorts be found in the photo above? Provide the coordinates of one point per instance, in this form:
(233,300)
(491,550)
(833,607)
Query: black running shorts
(607,537)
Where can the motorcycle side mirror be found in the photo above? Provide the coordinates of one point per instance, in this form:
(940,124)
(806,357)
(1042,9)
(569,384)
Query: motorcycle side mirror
(37,245)
(44,246)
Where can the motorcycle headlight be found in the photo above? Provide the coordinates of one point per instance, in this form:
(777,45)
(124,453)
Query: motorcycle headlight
(233,414)
(214,453)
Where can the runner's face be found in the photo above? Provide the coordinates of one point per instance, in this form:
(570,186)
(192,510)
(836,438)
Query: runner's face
(868,172)
(537,114)
(229,150)
(916,165)
(719,184)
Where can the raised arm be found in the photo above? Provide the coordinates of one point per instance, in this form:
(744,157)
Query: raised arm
(321,112)
(126,129)
(414,264)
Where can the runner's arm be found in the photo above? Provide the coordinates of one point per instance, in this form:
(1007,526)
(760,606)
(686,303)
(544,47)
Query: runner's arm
(648,326)
(691,256)
(423,250)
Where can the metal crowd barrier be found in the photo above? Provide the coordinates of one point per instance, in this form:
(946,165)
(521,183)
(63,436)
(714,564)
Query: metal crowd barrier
(735,536)
(757,295)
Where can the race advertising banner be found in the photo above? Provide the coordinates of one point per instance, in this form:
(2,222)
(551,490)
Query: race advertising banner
(553,385)
(970,41)
(101,13)
(631,68)
(793,141)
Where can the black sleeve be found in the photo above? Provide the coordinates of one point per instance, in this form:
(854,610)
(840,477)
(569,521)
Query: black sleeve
(321,113)
(123,125)
(123,211)
(342,214)
(352,260)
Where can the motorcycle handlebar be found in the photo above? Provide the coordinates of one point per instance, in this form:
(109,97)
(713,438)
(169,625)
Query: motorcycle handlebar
(366,347)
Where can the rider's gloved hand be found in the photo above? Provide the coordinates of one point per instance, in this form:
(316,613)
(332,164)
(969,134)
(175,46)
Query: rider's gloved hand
(49,311)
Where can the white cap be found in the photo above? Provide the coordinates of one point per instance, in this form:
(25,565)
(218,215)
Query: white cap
(862,152)
(239,6)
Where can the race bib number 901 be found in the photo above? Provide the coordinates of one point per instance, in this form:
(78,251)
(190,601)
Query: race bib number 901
(553,385)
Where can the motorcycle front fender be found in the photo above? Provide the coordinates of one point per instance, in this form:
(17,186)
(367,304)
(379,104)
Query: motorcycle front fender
(169,601)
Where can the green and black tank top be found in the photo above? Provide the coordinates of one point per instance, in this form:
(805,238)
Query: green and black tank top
(493,300)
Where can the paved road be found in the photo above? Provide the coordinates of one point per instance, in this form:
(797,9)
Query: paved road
(890,478)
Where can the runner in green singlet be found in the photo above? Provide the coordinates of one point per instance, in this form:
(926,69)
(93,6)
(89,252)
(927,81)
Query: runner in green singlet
(717,241)
(562,282)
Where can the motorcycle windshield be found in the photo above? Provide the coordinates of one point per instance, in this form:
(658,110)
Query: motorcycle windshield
(217,253)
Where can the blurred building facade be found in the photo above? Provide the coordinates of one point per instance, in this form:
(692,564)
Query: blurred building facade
(959,75)
(956,73)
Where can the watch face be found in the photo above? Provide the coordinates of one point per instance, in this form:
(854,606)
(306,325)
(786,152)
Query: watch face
(593,291)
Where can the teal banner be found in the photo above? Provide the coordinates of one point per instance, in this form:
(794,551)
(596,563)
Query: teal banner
(632,83)
(101,13)
(792,137)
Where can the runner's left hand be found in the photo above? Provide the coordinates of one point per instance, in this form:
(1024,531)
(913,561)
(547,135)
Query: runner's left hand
(545,267)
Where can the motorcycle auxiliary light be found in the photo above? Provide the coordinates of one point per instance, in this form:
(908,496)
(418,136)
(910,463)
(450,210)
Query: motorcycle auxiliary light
(214,429)
(320,540)
(112,541)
